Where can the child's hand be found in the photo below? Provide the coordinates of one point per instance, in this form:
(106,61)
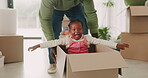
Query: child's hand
(33,48)
(122,46)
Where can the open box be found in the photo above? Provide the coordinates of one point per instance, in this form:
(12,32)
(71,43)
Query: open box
(138,19)
(102,64)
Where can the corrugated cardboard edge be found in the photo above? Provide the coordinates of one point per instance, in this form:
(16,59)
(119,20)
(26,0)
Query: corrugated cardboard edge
(61,59)
(96,61)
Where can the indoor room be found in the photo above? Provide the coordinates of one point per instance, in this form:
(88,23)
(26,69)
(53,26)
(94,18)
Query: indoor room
(73,38)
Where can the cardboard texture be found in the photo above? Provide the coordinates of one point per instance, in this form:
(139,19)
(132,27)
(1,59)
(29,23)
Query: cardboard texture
(138,44)
(2,61)
(90,65)
(138,19)
(12,48)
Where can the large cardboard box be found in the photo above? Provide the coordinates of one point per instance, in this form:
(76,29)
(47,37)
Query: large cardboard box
(103,64)
(138,21)
(138,46)
(12,48)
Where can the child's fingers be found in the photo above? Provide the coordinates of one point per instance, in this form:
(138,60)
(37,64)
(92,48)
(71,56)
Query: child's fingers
(122,48)
(30,49)
(126,45)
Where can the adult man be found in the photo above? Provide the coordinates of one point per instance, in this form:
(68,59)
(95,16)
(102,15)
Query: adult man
(51,15)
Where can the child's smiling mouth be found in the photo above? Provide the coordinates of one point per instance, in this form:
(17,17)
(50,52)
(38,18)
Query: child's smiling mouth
(77,36)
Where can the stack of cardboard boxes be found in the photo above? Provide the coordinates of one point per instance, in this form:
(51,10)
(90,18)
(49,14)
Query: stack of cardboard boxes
(11,44)
(137,37)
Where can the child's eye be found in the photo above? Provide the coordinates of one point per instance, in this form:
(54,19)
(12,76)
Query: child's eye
(79,29)
(76,29)
(73,29)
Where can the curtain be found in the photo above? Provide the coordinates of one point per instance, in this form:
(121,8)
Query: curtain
(28,23)
(27,11)
(113,17)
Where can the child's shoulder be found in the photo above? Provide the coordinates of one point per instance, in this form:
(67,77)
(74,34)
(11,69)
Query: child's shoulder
(87,35)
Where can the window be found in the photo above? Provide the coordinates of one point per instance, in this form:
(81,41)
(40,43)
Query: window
(27,14)
(114,17)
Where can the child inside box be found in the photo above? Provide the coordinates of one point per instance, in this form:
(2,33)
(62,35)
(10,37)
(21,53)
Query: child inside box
(76,42)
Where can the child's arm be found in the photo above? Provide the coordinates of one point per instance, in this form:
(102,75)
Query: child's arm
(33,47)
(111,44)
(49,44)
(93,40)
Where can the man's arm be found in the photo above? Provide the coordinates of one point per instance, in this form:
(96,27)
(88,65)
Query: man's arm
(45,15)
(91,17)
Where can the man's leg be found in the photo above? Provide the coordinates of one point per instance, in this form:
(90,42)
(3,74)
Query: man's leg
(57,18)
(77,13)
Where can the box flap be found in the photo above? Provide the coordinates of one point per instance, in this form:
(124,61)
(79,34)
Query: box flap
(96,61)
(61,58)
(139,10)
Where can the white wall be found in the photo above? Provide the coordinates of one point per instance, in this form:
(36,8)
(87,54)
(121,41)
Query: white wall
(3,4)
(8,20)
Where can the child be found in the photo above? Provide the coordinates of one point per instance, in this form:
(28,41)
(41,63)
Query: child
(76,42)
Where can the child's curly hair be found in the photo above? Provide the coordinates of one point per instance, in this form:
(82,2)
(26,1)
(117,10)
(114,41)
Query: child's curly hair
(75,20)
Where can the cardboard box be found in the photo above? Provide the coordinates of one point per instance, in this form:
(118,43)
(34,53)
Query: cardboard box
(138,44)
(138,19)
(2,61)
(104,64)
(12,48)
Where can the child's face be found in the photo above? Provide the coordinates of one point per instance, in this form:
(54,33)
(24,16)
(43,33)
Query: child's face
(76,30)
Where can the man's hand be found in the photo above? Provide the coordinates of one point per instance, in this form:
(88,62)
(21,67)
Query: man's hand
(95,35)
(53,53)
(122,46)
